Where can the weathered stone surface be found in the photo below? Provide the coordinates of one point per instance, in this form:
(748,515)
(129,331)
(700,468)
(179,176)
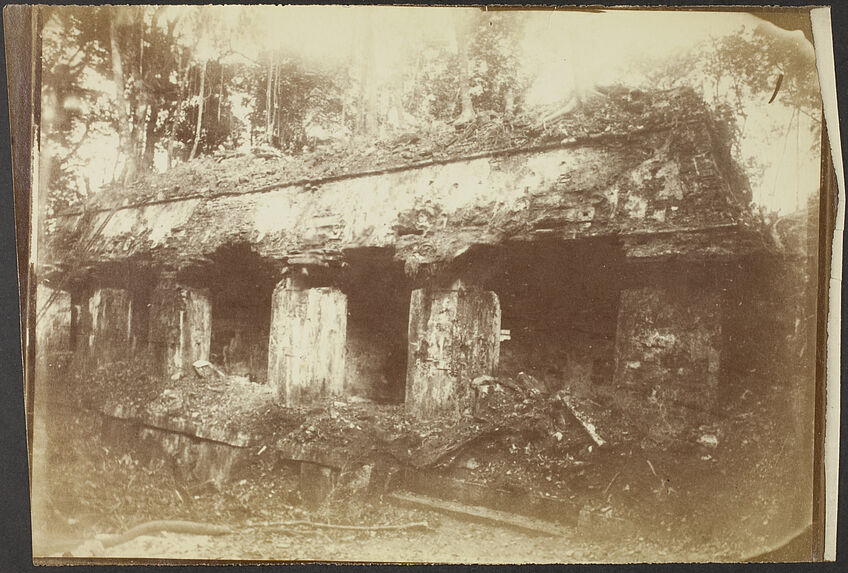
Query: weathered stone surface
(193,458)
(110,312)
(675,176)
(316,482)
(454,337)
(306,348)
(721,241)
(668,358)
(53,328)
(215,432)
(180,326)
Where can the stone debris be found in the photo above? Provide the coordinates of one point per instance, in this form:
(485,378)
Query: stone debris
(205,369)
(583,418)
(708,440)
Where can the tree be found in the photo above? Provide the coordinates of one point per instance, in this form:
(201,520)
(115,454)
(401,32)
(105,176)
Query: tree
(72,54)
(201,99)
(177,73)
(496,79)
(757,72)
(462,28)
(742,69)
(119,19)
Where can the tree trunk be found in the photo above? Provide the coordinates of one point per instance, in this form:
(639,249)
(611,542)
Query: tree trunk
(371,93)
(360,111)
(141,43)
(150,137)
(509,102)
(199,125)
(268,103)
(170,152)
(396,104)
(174,117)
(221,93)
(467,113)
(277,137)
(121,112)
(423,106)
(367,114)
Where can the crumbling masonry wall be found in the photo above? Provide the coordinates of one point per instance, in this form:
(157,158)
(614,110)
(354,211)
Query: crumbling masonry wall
(53,326)
(668,359)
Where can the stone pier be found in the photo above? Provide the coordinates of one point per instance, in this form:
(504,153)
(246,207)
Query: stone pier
(306,347)
(180,325)
(454,336)
(53,326)
(667,359)
(110,325)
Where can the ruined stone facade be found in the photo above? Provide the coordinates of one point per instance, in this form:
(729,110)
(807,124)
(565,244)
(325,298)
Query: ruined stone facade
(597,208)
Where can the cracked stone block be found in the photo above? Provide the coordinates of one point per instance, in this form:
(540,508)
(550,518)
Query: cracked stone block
(454,337)
(306,347)
(180,326)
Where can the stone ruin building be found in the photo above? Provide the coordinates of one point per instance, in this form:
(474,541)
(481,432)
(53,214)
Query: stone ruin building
(610,257)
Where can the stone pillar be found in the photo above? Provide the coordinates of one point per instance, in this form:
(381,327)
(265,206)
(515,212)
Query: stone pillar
(53,326)
(180,325)
(667,359)
(110,315)
(454,336)
(306,347)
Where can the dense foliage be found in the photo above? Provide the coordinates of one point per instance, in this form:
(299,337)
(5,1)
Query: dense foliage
(162,85)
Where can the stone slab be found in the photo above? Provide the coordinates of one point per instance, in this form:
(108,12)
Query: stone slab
(454,337)
(306,348)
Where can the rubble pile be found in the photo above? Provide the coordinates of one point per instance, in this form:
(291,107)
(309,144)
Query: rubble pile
(515,432)
(520,434)
(127,385)
(518,438)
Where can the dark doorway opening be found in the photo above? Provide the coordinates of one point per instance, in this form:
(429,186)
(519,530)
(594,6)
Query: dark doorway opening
(559,307)
(240,283)
(378,318)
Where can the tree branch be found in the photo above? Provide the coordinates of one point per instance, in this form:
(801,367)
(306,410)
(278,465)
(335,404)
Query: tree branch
(319,525)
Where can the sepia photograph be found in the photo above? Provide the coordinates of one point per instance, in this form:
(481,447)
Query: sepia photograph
(395,284)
